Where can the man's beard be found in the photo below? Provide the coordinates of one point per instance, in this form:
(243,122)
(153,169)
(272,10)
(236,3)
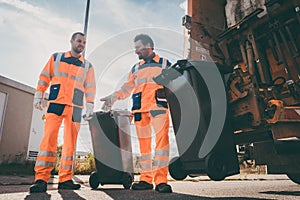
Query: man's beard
(77,50)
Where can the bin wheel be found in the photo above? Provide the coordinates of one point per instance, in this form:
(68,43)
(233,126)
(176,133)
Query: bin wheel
(294,177)
(94,180)
(127,180)
(215,167)
(176,169)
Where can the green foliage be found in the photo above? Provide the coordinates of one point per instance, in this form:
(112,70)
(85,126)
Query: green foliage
(84,165)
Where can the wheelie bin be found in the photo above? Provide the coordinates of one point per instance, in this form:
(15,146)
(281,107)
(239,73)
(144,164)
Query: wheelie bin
(112,148)
(196,95)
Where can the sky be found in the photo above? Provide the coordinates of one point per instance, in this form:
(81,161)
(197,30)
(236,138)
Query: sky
(31,30)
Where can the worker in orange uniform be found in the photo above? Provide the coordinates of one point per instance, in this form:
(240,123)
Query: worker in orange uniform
(149,109)
(70,78)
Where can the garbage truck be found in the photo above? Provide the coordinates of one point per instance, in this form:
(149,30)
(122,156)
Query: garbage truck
(238,87)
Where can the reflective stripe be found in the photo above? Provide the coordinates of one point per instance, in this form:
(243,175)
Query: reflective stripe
(161,152)
(62,74)
(146,157)
(56,66)
(89,94)
(38,95)
(41,163)
(140,81)
(67,158)
(160,163)
(89,84)
(126,88)
(68,167)
(164,63)
(135,69)
(40,82)
(86,68)
(77,78)
(45,73)
(123,90)
(47,153)
(146,166)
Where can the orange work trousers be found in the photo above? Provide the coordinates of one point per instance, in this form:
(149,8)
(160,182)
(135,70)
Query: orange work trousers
(156,169)
(47,155)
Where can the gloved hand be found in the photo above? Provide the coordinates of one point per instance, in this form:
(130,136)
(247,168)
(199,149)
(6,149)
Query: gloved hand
(109,101)
(38,101)
(89,111)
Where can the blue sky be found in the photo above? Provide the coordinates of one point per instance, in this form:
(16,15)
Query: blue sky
(31,30)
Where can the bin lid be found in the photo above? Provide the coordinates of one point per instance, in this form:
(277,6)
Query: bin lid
(121,112)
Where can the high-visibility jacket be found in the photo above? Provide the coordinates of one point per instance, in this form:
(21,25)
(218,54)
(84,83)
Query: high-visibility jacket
(144,95)
(71,78)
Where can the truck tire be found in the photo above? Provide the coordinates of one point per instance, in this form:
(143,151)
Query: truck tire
(176,169)
(294,177)
(94,180)
(215,167)
(127,179)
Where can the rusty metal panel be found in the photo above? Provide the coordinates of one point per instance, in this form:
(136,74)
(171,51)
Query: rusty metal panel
(236,10)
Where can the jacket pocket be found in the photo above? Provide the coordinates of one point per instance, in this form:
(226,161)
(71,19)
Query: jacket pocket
(54,90)
(136,100)
(78,97)
(160,93)
(56,108)
(160,98)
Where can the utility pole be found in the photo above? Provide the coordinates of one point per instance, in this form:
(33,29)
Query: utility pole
(86,21)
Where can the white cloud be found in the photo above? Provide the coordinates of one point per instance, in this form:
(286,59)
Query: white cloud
(184,6)
(2,21)
(32,34)
(33,31)
(22,5)
(43,17)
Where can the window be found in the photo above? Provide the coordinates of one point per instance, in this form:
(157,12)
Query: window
(3,100)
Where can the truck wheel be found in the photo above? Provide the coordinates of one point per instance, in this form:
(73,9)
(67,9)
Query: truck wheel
(94,180)
(215,167)
(176,169)
(127,180)
(294,177)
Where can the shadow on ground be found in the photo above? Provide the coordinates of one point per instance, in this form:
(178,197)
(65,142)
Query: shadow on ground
(118,194)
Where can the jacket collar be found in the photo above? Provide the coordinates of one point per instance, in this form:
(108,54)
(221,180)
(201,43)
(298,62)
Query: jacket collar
(155,59)
(68,55)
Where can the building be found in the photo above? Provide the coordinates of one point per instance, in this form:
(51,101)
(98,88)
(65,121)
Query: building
(15,120)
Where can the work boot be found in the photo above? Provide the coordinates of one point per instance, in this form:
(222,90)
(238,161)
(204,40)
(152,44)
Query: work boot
(142,185)
(163,188)
(68,185)
(38,186)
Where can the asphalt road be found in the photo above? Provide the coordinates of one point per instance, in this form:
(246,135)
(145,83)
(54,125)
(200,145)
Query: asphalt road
(196,188)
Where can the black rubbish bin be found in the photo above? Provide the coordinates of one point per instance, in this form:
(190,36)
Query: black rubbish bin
(198,104)
(112,148)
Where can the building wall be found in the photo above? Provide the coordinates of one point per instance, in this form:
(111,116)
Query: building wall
(17,120)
